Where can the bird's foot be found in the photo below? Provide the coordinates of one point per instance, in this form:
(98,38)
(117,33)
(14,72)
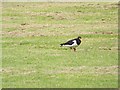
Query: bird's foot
(74,49)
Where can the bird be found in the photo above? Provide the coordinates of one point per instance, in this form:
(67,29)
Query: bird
(72,44)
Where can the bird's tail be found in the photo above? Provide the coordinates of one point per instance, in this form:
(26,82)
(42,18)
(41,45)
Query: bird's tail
(61,44)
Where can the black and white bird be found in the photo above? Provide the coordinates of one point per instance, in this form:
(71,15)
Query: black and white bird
(72,44)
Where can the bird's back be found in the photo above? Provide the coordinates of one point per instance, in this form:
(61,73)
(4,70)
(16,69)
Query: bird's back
(73,42)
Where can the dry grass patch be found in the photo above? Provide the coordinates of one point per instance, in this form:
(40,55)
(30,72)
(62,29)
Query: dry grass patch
(86,70)
(18,72)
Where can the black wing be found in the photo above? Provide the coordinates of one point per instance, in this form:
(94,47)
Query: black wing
(70,42)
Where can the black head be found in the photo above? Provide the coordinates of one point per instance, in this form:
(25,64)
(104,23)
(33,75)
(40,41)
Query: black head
(79,37)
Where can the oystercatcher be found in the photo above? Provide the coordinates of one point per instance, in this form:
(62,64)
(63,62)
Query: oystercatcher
(72,44)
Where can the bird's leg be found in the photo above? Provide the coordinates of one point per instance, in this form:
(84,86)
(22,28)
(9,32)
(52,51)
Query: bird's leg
(70,47)
(74,49)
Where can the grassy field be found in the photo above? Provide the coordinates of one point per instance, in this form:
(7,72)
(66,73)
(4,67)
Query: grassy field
(33,58)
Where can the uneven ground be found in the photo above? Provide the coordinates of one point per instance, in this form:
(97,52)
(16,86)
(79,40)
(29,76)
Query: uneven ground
(33,58)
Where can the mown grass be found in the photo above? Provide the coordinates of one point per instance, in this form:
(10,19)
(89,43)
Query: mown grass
(33,58)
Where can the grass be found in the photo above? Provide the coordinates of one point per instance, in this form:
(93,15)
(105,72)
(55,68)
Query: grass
(33,58)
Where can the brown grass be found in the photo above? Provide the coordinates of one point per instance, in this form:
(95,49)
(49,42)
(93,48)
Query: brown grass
(86,70)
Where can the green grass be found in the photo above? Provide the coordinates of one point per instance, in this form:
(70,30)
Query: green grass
(33,58)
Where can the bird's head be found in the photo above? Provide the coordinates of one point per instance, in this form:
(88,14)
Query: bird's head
(79,37)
